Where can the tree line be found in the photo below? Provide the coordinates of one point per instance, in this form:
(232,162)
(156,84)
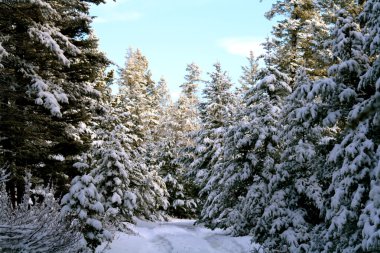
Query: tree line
(289,157)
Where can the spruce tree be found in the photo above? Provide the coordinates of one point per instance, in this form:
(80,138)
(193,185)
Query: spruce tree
(299,37)
(176,121)
(48,68)
(353,210)
(216,114)
(294,196)
(249,74)
(83,205)
(140,98)
(181,202)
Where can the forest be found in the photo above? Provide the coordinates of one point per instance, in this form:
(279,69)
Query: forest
(289,156)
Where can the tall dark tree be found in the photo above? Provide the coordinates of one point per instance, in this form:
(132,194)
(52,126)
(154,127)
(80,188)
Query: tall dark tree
(47,86)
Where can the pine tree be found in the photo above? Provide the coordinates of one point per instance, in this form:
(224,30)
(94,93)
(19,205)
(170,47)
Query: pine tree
(137,91)
(254,145)
(250,72)
(112,165)
(187,116)
(176,123)
(294,195)
(181,203)
(299,37)
(187,111)
(83,205)
(216,114)
(181,200)
(46,89)
(141,99)
(192,80)
(353,210)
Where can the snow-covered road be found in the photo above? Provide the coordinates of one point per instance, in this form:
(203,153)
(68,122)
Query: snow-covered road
(178,236)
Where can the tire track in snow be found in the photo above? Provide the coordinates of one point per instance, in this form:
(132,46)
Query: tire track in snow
(163,244)
(178,236)
(216,242)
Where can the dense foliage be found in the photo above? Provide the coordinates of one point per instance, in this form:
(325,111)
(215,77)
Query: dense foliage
(291,157)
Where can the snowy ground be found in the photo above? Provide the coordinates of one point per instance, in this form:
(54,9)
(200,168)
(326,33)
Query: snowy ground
(177,236)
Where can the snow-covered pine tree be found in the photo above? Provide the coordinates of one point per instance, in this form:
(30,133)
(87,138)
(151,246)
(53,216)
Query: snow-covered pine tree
(46,84)
(299,37)
(171,135)
(137,90)
(249,73)
(112,166)
(187,115)
(322,110)
(121,186)
(187,104)
(158,134)
(294,192)
(141,99)
(226,187)
(190,87)
(216,114)
(180,203)
(83,204)
(252,150)
(353,213)
(187,118)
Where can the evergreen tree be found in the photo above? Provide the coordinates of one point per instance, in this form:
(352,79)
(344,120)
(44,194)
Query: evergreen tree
(48,68)
(216,114)
(299,37)
(83,205)
(254,146)
(294,195)
(250,73)
(137,91)
(190,87)
(140,97)
(112,166)
(353,210)
(176,125)
(181,203)
(187,115)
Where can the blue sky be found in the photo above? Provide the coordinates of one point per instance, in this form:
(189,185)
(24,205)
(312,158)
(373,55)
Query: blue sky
(173,33)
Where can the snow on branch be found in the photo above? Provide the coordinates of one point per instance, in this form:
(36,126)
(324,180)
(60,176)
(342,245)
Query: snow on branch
(50,100)
(3,54)
(35,227)
(3,174)
(45,34)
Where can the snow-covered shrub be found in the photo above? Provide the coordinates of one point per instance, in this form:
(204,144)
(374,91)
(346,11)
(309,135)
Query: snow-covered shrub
(36,227)
(83,205)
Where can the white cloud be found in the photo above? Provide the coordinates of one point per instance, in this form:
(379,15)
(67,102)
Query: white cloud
(242,45)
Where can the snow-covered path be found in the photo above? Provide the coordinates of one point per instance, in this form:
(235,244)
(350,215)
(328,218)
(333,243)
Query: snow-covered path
(178,236)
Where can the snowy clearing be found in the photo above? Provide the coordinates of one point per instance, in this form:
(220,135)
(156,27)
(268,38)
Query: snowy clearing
(178,236)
